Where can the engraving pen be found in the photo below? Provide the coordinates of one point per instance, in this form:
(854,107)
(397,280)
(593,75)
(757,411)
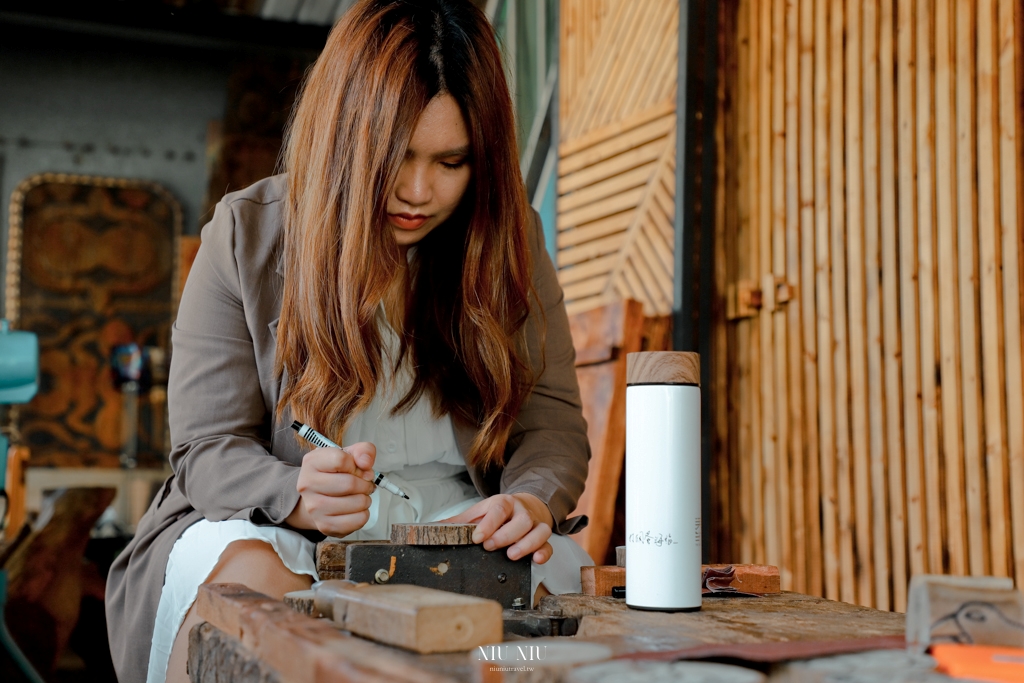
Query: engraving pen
(318,439)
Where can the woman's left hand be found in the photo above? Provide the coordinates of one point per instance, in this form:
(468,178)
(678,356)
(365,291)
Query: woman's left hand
(519,520)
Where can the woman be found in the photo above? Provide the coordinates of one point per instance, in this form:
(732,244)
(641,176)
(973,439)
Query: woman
(392,291)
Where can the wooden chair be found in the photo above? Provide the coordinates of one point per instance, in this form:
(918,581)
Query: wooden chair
(602,337)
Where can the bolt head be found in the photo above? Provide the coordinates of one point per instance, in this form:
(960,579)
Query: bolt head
(502,578)
(381,576)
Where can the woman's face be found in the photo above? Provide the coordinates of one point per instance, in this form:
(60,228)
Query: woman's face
(434,175)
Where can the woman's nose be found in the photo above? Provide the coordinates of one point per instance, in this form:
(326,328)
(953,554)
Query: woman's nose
(413,186)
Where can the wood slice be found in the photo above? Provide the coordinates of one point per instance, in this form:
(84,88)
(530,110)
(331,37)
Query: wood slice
(303,602)
(970,610)
(433,534)
(537,660)
(752,578)
(420,619)
(330,557)
(663,367)
(599,581)
(626,671)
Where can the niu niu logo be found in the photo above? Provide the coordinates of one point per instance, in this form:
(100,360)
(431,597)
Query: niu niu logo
(519,653)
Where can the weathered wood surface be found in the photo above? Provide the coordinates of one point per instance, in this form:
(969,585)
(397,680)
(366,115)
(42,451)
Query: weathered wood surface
(420,619)
(601,580)
(302,649)
(628,671)
(214,657)
(303,602)
(330,557)
(975,610)
(772,618)
(538,660)
(433,534)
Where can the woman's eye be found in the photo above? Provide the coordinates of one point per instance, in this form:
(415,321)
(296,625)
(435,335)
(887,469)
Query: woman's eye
(454,164)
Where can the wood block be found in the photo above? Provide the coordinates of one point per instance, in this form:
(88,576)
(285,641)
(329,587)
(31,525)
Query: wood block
(750,578)
(420,619)
(330,557)
(433,534)
(745,578)
(969,610)
(599,581)
(214,656)
(627,671)
(537,660)
(620,556)
(299,648)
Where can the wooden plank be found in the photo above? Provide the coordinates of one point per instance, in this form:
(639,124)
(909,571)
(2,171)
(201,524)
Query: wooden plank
(823,286)
(1011,176)
(600,209)
(584,304)
(658,271)
(769,424)
(743,415)
(756,462)
(603,390)
(907,203)
(589,250)
(840,338)
(928,284)
(578,290)
(620,183)
(993,350)
(796,501)
(857,312)
(423,620)
(873,307)
(780,349)
(600,580)
(299,648)
(598,335)
(596,266)
(890,306)
(616,138)
(949,306)
(967,236)
(432,534)
(808,305)
(590,231)
(612,167)
(650,52)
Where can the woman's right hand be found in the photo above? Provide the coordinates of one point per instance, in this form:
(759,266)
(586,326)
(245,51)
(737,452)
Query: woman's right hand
(334,489)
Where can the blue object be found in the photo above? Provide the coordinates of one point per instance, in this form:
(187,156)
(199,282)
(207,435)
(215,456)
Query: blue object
(19,365)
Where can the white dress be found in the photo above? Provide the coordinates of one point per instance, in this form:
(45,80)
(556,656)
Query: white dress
(416,451)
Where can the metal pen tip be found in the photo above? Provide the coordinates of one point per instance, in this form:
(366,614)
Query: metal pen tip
(406,496)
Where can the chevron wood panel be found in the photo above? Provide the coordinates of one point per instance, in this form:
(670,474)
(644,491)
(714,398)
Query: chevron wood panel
(617,152)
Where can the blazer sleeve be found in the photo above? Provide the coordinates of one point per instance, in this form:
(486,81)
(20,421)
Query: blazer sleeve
(548,446)
(220,424)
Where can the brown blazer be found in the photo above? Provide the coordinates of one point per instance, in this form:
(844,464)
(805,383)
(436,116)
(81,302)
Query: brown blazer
(232,460)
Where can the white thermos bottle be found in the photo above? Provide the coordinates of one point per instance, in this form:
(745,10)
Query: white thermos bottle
(663,484)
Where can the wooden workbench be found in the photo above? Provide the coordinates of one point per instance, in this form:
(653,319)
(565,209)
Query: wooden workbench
(253,639)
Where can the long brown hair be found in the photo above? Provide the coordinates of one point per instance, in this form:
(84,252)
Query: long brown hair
(463,332)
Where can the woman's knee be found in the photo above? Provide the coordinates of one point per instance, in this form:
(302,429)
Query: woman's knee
(257,565)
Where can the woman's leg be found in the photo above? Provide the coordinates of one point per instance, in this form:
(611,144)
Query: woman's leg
(253,563)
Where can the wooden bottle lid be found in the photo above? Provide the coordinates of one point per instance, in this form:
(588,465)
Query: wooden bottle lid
(663,367)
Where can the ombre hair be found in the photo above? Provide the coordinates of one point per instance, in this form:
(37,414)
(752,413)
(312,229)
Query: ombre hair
(471,276)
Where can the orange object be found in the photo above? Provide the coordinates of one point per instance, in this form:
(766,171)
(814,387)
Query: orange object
(980,662)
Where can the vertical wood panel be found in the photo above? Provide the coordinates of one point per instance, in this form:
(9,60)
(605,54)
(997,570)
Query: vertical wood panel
(1010,223)
(967,235)
(928,283)
(949,303)
(823,282)
(778,270)
(757,357)
(890,305)
(993,364)
(840,339)
(873,284)
(807,299)
(907,203)
(792,180)
(857,314)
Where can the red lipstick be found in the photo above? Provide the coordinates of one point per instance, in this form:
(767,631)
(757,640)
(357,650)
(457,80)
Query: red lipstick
(407,221)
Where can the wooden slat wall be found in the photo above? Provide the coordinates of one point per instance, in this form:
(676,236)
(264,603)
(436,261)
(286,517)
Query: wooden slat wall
(870,177)
(617,80)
